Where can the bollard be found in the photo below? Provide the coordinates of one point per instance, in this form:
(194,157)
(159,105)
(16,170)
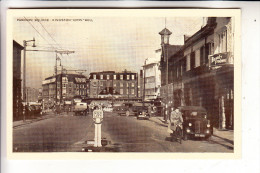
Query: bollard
(97,118)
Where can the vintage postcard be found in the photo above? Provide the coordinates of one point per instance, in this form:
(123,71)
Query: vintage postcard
(123,83)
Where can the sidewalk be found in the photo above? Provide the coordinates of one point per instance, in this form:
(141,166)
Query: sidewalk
(29,121)
(227,135)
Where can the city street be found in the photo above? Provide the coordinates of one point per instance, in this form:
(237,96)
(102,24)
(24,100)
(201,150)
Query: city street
(68,133)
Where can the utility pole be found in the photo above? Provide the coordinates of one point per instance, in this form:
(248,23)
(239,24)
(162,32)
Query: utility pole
(24,73)
(144,81)
(56,73)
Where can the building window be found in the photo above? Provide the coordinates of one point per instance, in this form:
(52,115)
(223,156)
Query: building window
(177,74)
(127,91)
(127,84)
(192,60)
(121,77)
(223,41)
(64,85)
(188,63)
(197,58)
(101,76)
(121,91)
(127,77)
(108,77)
(209,50)
(94,76)
(132,91)
(114,84)
(101,83)
(202,55)
(133,84)
(121,84)
(133,77)
(114,76)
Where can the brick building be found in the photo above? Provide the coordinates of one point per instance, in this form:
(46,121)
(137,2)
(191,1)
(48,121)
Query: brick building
(32,94)
(108,84)
(202,71)
(68,87)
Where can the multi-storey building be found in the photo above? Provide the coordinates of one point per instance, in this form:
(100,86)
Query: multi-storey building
(202,71)
(167,50)
(32,94)
(152,77)
(17,81)
(65,87)
(108,84)
(141,85)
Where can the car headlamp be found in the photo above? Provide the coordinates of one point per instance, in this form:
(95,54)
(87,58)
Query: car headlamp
(190,124)
(188,130)
(208,125)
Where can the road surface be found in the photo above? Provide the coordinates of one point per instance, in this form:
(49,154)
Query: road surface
(68,133)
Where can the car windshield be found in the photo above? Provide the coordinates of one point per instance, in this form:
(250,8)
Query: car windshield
(198,114)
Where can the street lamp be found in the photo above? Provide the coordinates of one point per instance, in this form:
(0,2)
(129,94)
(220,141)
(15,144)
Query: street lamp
(165,37)
(24,72)
(144,80)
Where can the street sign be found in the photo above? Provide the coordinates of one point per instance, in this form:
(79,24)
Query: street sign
(98,114)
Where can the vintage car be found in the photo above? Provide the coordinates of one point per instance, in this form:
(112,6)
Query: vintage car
(33,109)
(143,113)
(120,110)
(195,122)
(137,107)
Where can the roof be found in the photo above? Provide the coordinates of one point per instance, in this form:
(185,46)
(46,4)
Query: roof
(172,49)
(165,31)
(71,77)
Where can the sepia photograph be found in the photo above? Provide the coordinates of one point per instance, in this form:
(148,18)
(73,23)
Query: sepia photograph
(153,81)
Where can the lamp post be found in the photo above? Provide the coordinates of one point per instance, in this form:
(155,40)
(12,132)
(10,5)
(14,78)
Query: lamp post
(165,36)
(24,73)
(144,80)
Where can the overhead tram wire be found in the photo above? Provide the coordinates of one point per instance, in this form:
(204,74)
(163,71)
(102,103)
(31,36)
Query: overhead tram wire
(38,32)
(48,32)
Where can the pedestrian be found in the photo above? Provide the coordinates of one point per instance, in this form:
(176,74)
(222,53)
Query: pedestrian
(149,110)
(175,118)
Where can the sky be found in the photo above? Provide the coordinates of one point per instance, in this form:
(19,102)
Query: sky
(100,44)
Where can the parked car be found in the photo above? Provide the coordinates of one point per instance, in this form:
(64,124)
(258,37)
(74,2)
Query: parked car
(137,107)
(143,113)
(80,108)
(195,122)
(123,110)
(33,109)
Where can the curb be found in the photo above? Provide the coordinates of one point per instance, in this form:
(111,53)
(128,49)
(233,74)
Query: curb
(32,121)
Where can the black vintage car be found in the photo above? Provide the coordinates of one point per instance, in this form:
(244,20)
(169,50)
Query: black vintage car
(143,113)
(195,122)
